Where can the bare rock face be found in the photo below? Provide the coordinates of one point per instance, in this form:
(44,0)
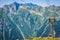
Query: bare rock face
(28,20)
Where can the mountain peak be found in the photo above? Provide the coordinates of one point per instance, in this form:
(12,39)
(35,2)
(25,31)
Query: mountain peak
(16,4)
(30,4)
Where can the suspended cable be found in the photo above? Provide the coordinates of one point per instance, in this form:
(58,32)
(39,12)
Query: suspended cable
(23,1)
(48,2)
(43,23)
(44,30)
(17,26)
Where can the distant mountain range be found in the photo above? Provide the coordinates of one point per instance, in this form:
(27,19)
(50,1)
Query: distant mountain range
(28,20)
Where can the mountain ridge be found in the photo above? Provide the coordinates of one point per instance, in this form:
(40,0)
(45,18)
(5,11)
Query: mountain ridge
(30,19)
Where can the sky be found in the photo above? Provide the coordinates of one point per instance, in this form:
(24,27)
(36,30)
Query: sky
(38,2)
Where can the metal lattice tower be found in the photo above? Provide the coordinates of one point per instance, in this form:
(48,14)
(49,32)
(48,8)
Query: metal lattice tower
(51,20)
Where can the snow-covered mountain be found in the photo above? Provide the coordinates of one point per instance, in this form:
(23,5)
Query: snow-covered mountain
(28,20)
